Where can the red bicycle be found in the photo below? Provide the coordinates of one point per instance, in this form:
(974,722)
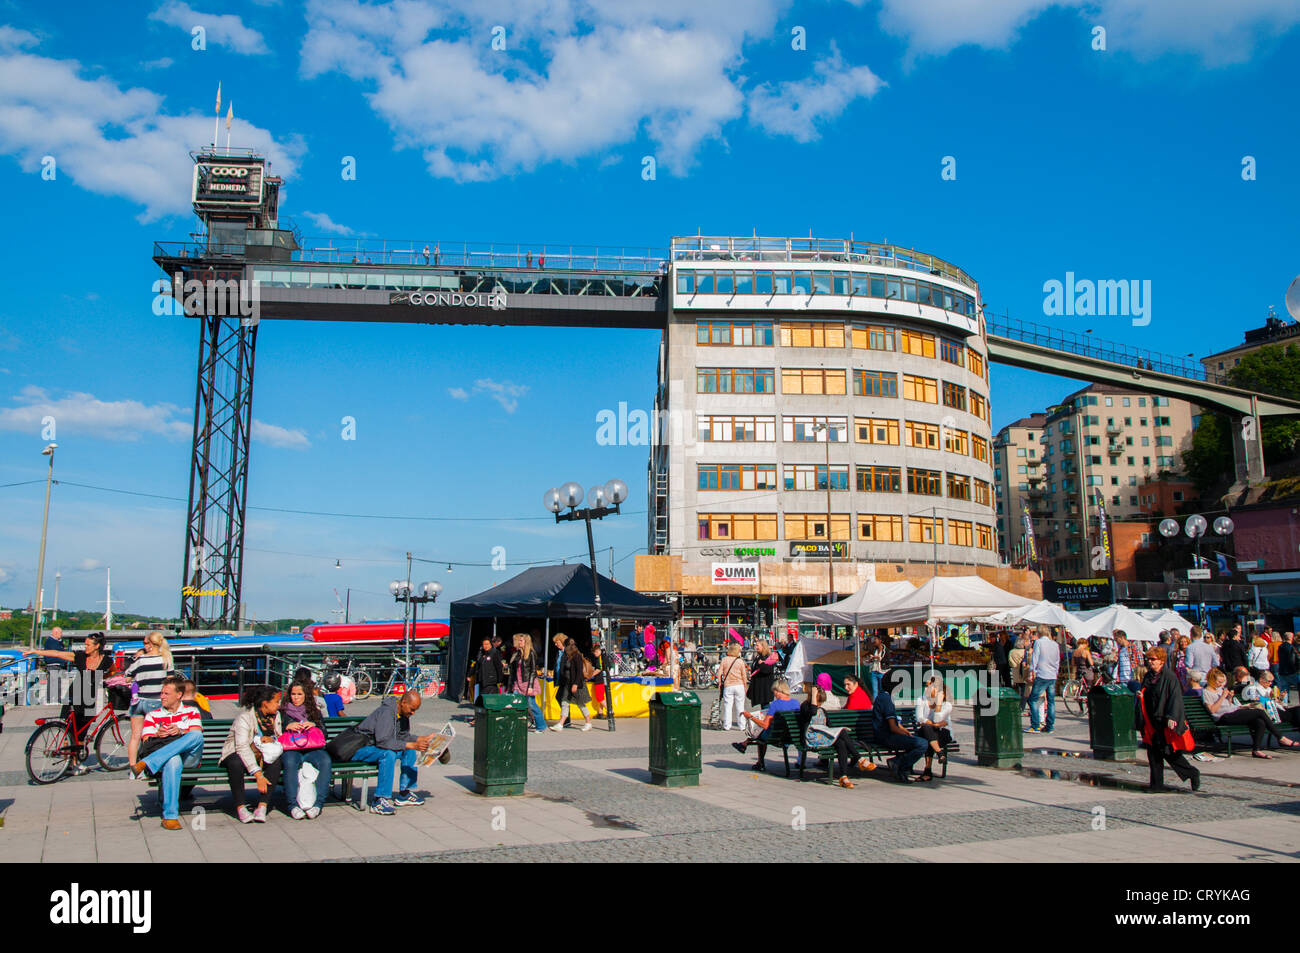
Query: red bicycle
(54,745)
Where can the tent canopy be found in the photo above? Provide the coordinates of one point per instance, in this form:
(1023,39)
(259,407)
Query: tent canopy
(543,592)
(1040,613)
(944,599)
(1104,621)
(1166,619)
(871,596)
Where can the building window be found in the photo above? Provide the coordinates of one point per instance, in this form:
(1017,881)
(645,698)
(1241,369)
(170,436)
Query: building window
(975,361)
(812,476)
(875,384)
(806,429)
(877,479)
(813,526)
(952,352)
(812,334)
(880,527)
(979,448)
(736,476)
(960,533)
(735,380)
(916,342)
(958,487)
(734,333)
(876,430)
(983,536)
(873,337)
(979,406)
(954,395)
(924,436)
(736,429)
(924,482)
(924,529)
(812,380)
(982,495)
(924,389)
(737,525)
(956,441)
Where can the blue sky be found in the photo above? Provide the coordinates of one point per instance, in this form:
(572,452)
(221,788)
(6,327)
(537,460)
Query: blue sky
(1116,163)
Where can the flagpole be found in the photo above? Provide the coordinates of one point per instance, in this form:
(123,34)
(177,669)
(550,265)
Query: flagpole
(229,116)
(216,119)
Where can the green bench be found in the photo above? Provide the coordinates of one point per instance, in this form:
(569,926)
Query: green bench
(1201,722)
(785,734)
(209,768)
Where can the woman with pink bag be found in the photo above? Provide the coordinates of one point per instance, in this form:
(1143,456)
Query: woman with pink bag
(523,676)
(303,741)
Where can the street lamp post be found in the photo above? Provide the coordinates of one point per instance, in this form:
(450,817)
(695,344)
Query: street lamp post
(40,565)
(1195,527)
(830,542)
(403,593)
(602,500)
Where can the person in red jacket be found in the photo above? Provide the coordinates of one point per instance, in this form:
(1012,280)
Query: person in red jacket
(858,698)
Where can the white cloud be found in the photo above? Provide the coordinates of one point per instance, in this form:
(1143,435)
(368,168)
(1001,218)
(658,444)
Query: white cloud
(505,393)
(796,108)
(86,415)
(107,139)
(326,224)
(89,565)
(277,436)
(567,87)
(162,62)
(458,393)
(1219,33)
(223,29)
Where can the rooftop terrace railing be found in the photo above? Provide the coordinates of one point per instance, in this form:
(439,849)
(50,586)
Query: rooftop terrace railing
(727,248)
(1086,345)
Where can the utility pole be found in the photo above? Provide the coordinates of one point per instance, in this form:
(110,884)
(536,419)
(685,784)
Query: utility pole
(40,565)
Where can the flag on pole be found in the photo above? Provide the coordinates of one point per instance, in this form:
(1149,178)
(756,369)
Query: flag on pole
(1223,564)
(230,114)
(218,109)
(216,118)
(1103,529)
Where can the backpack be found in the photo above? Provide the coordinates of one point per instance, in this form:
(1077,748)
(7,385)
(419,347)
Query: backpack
(588,670)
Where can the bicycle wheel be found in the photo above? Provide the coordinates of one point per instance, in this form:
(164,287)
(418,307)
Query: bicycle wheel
(111,744)
(49,753)
(1070,696)
(365,684)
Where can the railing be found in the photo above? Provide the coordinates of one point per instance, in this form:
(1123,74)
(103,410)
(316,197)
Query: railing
(434,254)
(727,248)
(1085,345)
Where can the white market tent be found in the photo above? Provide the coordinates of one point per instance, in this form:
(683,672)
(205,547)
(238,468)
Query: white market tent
(1040,613)
(1104,621)
(808,650)
(1166,619)
(944,599)
(847,611)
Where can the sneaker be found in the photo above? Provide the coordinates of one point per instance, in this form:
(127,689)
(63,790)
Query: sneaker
(312,813)
(80,769)
(586,727)
(557,727)
(382,805)
(297,813)
(739,746)
(244,814)
(1031,730)
(1045,731)
(259,814)
(407,799)
(1196,781)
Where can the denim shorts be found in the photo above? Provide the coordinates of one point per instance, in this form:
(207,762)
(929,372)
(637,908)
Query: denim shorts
(142,706)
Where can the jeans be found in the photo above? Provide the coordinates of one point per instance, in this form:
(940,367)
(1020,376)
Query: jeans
(910,748)
(1043,685)
(733,700)
(387,760)
(293,760)
(171,759)
(534,709)
(876,679)
(1287,682)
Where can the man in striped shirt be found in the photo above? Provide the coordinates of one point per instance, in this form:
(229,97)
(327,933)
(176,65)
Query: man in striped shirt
(171,741)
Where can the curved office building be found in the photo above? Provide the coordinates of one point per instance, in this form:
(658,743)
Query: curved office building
(797,369)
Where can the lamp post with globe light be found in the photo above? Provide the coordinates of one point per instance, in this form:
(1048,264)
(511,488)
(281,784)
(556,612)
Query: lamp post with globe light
(1195,526)
(602,501)
(404,593)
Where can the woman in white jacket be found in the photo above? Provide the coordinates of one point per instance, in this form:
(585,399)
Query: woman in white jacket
(933,712)
(251,749)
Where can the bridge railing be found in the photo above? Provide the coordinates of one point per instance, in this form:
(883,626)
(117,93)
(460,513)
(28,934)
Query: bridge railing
(1086,345)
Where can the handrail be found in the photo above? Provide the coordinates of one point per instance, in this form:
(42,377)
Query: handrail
(1085,345)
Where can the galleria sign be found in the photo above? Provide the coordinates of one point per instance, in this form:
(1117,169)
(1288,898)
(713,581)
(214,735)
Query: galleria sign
(496,300)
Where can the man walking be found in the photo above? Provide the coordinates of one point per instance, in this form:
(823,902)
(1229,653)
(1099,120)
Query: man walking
(1201,656)
(1044,669)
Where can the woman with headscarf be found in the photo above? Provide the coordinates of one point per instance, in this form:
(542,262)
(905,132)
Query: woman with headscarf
(1164,722)
(831,701)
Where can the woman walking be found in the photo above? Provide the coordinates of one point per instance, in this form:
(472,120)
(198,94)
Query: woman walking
(150,666)
(733,677)
(1164,722)
(523,677)
(763,675)
(1019,674)
(570,686)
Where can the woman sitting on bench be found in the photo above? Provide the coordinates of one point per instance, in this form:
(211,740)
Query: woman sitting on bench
(933,711)
(251,749)
(1225,710)
(823,736)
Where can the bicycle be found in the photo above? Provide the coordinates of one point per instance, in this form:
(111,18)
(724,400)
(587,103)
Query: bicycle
(424,677)
(362,680)
(53,745)
(1074,693)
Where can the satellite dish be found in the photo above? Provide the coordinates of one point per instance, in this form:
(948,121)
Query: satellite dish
(1195,526)
(1168,528)
(1293,298)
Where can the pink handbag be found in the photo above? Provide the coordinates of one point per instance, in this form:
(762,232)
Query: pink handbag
(308,740)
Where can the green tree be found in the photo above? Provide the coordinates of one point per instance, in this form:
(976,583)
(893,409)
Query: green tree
(1273,369)
(1209,459)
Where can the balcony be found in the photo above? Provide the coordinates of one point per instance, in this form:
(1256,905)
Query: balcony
(1115,449)
(1114,429)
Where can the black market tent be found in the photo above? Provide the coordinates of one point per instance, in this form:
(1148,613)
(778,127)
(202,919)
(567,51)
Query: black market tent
(542,592)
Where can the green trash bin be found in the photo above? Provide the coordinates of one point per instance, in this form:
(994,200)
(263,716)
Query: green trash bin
(1110,723)
(501,745)
(675,739)
(998,739)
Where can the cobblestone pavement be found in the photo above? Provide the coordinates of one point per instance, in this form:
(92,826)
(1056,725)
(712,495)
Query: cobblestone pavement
(589,798)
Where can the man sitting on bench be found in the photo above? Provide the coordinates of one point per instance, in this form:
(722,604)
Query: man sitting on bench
(389,728)
(892,735)
(781,702)
(172,740)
